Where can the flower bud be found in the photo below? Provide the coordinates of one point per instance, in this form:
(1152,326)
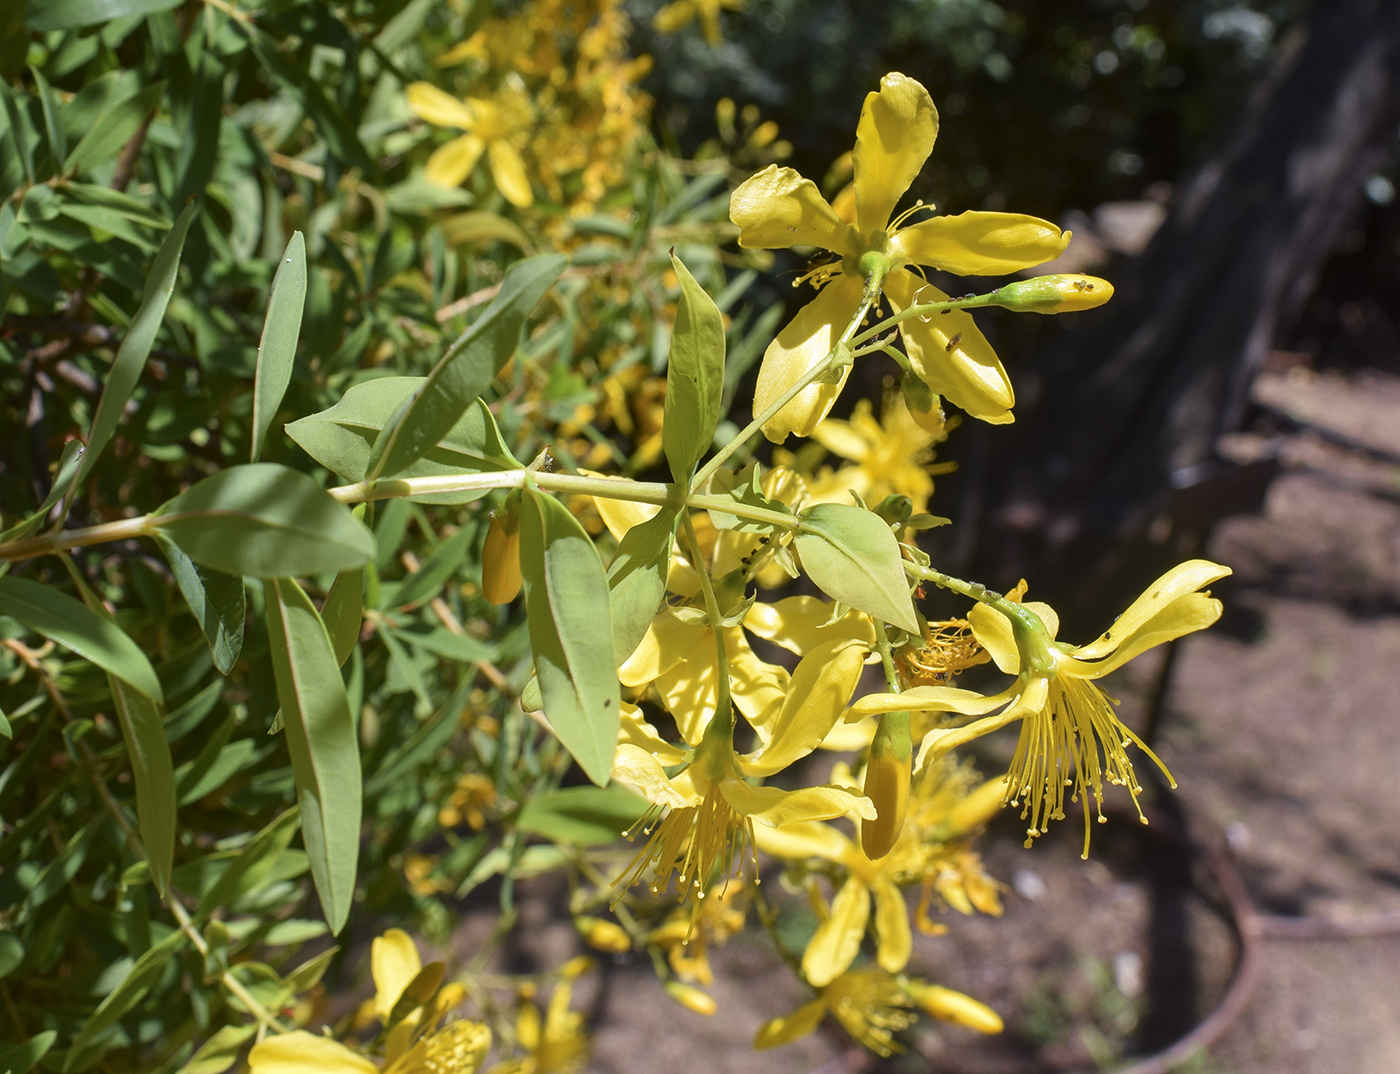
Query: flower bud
(924,407)
(603,935)
(887,784)
(500,558)
(1054,294)
(950,1006)
(691,998)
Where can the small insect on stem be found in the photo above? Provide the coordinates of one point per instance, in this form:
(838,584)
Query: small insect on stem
(953,342)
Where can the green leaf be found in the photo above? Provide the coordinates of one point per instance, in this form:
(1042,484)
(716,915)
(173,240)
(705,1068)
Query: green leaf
(22,1058)
(437,569)
(48,100)
(220,1051)
(66,620)
(278,345)
(463,228)
(325,751)
(331,123)
(344,612)
(694,377)
(444,643)
(63,868)
(266,521)
(63,477)
(566,599)
(216,599)
(136,346)
(43,15)
(852,556)
(252,865)
(584,816)
(154,776)
(637,579)
(342,437)
(18,131)
(113,128)
(465,370)
(137,982)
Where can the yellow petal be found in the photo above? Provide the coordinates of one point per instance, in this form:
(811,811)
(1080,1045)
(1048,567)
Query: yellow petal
(621,515)
(775,807)
(450,164)
(848,737)
(666,643)
(800,624)
(779,1031)
(394,962)
(689,691)
(1194,611)
(508,170)
(1184,578)
(949,352)
(757,687)
(895,942)
(635,730)
(897,129)
(927,699)
(805,343)
(834,945)
(777,208)
(821,686)
(807,839)
(941,741)
(441,109)
(300,1052)
(638,768)
(981,244)
(840,438)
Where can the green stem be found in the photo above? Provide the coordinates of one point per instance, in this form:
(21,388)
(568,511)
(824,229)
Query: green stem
(707,471)
(1026,625)
(722,703)
(882,643)
(886,323)
(51,543)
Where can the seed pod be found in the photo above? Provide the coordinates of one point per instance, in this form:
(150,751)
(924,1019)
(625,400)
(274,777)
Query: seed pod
(887,775)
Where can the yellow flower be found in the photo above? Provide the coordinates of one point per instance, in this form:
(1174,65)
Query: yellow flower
(892,455)
(413,1043)
(871,1006)
(778,208)
(682,12)
(1070,736)
(687,938)
(491,126)
(554,1044)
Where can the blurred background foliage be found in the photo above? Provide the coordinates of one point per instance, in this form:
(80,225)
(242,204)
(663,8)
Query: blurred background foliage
(292,116)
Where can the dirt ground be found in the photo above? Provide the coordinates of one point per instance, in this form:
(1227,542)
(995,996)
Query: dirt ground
(1282,726)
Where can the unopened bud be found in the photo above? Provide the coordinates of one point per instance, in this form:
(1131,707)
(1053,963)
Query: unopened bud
(500,558)
(887,784)
(1054,294)
(603,935)
(924,407)
(691,998)
(977,807)
(950,1006)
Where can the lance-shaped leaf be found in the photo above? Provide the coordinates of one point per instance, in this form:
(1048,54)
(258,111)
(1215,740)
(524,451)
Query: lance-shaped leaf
(584,816)
(566,599)
(216,600)
(694,377)
(252,865)
(344,611)
(68,464)
(278,345)
(56,615)
(463,373)
(266,521)
(138,981)
(71,14)
(22,1058)
(153,773)
(342,437)
(322,743)
(136,345)
(852,556)
(637,579)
